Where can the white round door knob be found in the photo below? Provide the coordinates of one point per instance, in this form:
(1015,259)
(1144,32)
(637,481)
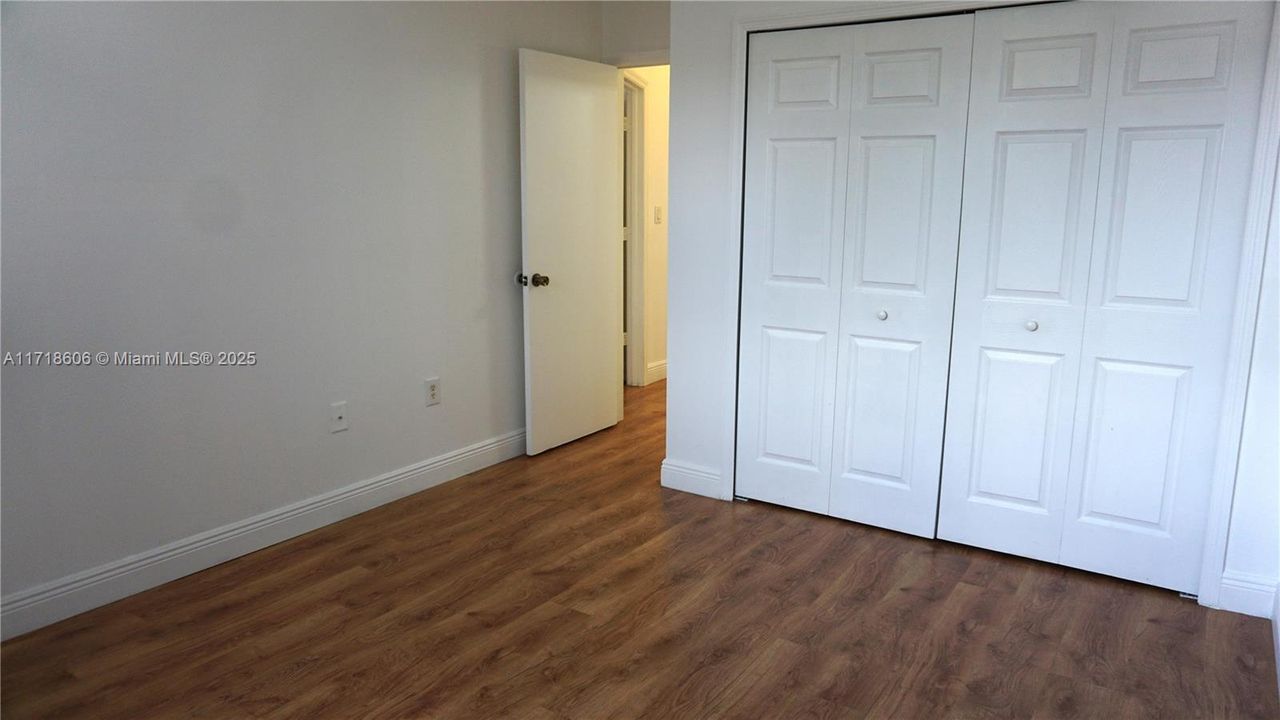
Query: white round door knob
(1032,326)
(883,314)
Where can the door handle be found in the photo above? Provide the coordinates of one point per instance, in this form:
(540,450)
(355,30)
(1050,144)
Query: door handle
(1032,326)
(883,314)
(537,280)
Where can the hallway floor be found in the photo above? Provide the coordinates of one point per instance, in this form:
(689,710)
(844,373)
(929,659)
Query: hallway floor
(571,586)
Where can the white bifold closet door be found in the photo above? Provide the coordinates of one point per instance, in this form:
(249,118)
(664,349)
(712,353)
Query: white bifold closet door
(854,157)
(1109,154)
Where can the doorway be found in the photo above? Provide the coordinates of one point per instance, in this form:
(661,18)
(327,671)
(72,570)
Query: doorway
(644,167)
(593,256)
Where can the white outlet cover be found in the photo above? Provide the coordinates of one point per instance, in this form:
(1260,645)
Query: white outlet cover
(428,385)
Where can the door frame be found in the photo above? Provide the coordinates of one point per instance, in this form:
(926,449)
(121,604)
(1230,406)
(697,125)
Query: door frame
(1262,194)
(633,287)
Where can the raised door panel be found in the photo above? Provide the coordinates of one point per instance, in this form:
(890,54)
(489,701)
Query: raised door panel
(1037,103)
(1162,203)
(1035,213)
(904,77)
(891,241)
(805,83)
(883,384)
(903,199)
(800,182)
(1135,427)
(798,101)
(1040,68)
(1019,439)
(1180,58)
(791,401)
(1015,442)
(1178,148)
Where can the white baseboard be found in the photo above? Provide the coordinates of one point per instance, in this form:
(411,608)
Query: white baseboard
(655,371)
(1247,593)
(1275,634)
(35,607)
(690,478)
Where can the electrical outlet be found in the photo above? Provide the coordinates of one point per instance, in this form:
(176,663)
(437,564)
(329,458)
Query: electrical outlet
(338,420)
(657,214)
(433,391)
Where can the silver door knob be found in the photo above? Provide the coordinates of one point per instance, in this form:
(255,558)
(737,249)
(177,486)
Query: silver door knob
(1032,326)
(883,314)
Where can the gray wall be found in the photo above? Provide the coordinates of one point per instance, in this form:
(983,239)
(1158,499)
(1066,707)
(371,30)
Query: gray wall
(334,186)
(636,33)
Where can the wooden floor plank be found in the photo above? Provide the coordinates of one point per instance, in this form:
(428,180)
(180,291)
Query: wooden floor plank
(570,586)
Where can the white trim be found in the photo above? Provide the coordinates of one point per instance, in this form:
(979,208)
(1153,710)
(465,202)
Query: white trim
(1262,190)
(1247,593)
(655,371)
(634,78)
(633,150)
(1275,633)
(694,479)
(36,607)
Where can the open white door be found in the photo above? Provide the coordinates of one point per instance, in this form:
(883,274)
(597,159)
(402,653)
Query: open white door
(571,212)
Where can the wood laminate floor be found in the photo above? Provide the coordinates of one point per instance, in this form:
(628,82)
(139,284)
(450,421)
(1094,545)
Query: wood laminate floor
(571,586)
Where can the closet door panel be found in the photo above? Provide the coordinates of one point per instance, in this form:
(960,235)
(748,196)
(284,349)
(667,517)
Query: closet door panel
(911,85)
(1014,444)
(1177,157)
(1036,110)
(798,102)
